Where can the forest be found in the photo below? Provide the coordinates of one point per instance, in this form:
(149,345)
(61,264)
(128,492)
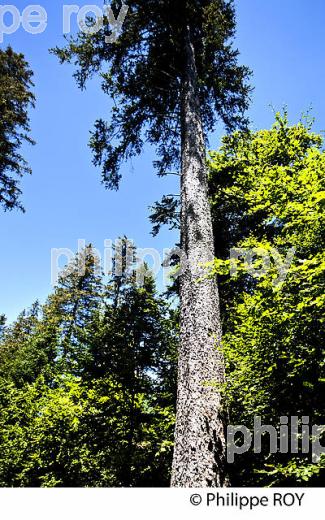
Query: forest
(112,382)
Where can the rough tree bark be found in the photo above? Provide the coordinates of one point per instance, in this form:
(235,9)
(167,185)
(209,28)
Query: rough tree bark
(199,437)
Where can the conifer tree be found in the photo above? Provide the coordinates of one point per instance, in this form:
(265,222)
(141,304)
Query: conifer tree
(172,74)
(25,349)
(73,306)
(16,98)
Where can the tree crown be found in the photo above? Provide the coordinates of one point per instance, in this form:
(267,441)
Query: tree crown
(143,72)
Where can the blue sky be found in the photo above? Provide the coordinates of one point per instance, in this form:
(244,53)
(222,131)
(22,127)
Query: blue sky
(282,41)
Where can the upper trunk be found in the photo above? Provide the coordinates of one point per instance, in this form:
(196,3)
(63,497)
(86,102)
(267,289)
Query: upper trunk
(199,437)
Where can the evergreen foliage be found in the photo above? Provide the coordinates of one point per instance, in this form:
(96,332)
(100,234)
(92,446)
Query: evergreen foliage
(87,384)
(16,98)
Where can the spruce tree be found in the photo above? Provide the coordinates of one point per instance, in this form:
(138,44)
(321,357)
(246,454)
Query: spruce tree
(71,310)
(16,98)
(172,74)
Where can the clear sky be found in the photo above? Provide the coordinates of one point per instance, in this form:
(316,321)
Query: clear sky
(282,41)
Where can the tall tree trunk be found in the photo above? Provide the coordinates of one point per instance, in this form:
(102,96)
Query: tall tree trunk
(199,437)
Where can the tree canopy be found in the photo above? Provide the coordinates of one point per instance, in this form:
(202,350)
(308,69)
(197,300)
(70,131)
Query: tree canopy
(88,380)
(267,194)
(87,385)
(143,73)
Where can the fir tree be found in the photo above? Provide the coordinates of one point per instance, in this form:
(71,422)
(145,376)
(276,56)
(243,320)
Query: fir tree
(172,73)
(16,98)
